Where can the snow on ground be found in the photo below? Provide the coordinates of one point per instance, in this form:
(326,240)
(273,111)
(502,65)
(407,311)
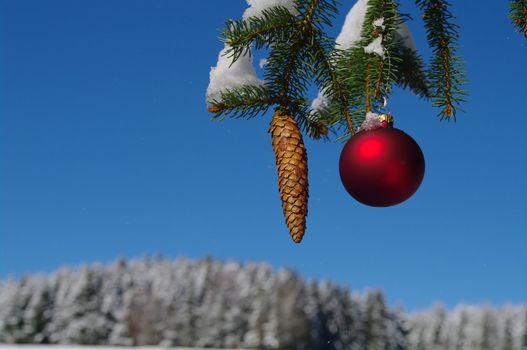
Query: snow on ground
(82,347)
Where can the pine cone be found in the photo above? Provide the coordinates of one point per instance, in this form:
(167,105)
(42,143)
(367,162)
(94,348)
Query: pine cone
(291,163)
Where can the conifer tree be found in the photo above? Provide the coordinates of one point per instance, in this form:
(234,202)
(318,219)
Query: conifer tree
(39,311)
(397,330)
(80,320)
(460,335)
(437,336)
(508,337)
(374,322)
(524,330)
(13,326)
(489,332)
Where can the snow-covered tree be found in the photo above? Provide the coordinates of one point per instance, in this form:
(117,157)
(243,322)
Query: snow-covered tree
(397,330)
(78,318)
(215,304)
(524,329)
(16,298)
(374,321)
(39,311)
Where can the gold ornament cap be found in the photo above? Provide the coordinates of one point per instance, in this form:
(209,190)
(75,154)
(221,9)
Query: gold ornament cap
(385,120)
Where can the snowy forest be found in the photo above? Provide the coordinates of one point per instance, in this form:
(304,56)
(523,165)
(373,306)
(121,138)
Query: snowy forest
(205,303)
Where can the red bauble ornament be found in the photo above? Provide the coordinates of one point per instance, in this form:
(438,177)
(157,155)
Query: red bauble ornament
(381,167)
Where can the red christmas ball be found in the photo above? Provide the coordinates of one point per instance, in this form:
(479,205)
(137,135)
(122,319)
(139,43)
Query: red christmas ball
(381,167)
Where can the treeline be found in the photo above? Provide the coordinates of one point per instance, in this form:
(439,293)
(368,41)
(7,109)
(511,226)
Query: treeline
(469,327)
(228,305)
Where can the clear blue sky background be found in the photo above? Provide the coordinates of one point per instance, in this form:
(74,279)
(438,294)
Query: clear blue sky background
(107,150)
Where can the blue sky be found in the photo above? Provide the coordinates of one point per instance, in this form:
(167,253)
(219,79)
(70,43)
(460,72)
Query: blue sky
(107,150)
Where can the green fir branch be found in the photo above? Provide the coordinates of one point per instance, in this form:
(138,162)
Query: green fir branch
(410,71)
(322,15)
(290,64)
(518,15)
(315,128)
(242,102)
(446,71)
(328,81)
(382,68)
(352,80)
(409,67)
(364,78)
(294,78)
(351,66)
(272,25)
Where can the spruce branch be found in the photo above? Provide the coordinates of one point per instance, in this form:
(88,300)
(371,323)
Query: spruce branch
(293,75)
(351,67)
(322,12)
(382,19)
(328,81)
(518,15)
(367,100)
(314,127)
(243,102)
(290,66)
(379,32)
(411,71)
(366,78)
(445,74)
(272,25)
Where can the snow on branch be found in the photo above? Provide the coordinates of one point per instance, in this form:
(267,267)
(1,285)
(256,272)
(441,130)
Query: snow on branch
(351,34)
(228,74)
(256,7)
(370,122)
(351,31)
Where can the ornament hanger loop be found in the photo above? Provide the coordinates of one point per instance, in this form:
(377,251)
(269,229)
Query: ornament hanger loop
(385,102)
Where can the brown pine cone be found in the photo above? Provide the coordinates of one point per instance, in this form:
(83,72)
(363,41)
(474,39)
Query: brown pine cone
(291,163)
